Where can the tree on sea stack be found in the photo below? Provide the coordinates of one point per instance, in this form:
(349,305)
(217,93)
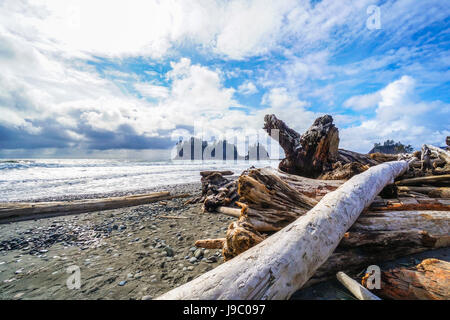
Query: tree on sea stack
(284,262)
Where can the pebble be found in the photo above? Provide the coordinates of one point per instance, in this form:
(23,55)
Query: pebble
(19,295)
(122,283)
(193,260)
(169,251)
(146,298)
(198,253)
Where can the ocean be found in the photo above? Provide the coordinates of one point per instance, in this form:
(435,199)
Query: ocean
(54,179)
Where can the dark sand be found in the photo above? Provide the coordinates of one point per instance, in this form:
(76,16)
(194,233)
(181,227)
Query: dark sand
(126,253)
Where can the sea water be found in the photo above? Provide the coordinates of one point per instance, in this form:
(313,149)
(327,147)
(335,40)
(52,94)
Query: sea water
(22,180)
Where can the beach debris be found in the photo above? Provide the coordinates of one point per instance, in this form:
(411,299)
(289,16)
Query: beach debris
(316,154)
(18,211)
(355,288)
(285,261)
(429,280)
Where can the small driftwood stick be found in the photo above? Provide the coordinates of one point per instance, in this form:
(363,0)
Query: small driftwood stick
(210,243)
(355,288)
(232,212)
(172,217)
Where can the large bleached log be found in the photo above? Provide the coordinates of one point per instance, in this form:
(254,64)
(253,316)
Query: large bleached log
(429,280)
(18,211)
(283,263)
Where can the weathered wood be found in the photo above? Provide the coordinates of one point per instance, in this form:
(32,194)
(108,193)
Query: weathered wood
(17,211)
(309,154)
(426,158)
(211,243)
(438,180)
(315,154)
(217,191)
(223,173)
(381,236)
(283,263)
(172,217)
(421,204)
(429,280)
(441,153)
(232,212)
(434,192)
(355,288)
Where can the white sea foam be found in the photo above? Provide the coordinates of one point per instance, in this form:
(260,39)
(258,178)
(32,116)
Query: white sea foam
(22,180)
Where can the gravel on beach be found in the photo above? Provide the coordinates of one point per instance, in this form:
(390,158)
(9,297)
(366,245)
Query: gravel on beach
(128,253)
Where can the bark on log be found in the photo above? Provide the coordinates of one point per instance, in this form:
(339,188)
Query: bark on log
(19,211)
(429,280)
(283,263)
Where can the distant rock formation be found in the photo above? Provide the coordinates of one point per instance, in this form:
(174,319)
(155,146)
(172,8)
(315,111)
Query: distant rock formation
(197,149)
(391,147)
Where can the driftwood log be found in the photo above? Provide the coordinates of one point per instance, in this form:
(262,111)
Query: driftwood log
(18,211)
(284,262)
(429,280)
(433,192)
(315,154)
(383,236)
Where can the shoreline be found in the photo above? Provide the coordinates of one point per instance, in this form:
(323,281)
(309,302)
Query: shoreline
(177,188)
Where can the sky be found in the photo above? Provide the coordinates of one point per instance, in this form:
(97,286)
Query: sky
(105,78)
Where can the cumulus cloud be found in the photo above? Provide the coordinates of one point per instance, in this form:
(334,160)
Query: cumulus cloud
(364,101)
(247,88)
(400,116)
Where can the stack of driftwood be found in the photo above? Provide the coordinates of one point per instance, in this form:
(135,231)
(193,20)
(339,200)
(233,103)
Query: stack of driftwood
(324,210)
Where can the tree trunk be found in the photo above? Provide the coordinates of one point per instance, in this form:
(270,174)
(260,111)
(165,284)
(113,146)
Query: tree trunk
(19,211)
(383,236)
(429,280)
(284,262)
(316,153)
